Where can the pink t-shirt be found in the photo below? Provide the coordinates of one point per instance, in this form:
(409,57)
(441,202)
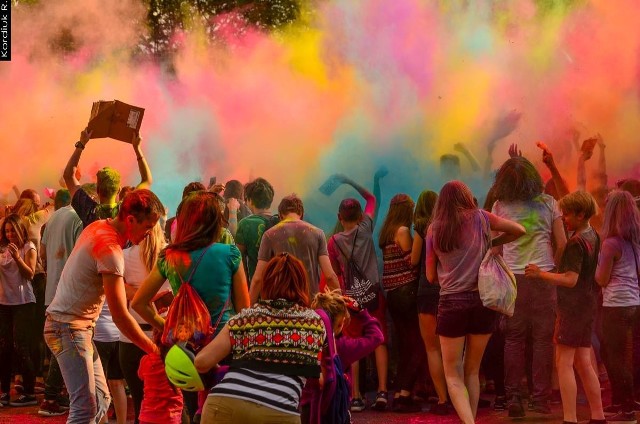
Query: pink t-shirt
(162,402)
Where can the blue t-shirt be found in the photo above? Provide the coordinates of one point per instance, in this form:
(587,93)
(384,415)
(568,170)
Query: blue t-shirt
(212,279)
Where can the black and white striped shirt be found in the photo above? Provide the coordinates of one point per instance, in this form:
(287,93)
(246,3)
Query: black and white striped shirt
(277,391)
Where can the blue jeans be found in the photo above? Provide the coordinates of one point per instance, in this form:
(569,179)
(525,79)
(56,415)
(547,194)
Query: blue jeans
(81,369)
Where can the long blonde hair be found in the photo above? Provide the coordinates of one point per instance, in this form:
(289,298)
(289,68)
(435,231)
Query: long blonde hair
(151,246)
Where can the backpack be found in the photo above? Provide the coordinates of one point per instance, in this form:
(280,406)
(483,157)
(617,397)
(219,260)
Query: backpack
(334,400)
(188,320)
(356,285)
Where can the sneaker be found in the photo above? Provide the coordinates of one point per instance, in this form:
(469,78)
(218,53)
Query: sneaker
(38,388)
(63,402)
(19,388)
(405,404)
(612,410)
(440,409)
(382,398)
(357,405)
(4,399)
(50,408)
(540,407)
(516,410)
(500,403)
(24,400)
(622,417)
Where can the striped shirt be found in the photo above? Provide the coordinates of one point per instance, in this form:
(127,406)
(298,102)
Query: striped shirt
(277,391)
(397,269)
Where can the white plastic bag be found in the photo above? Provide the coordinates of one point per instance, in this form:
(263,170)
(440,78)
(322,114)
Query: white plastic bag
(497,284)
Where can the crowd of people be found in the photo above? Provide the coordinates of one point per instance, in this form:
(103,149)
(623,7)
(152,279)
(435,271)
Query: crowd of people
(86,283)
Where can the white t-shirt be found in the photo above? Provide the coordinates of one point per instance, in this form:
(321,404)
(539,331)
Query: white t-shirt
(60,235)
(135,271)
(80,293)
(34,222)
(14,288)
(537,217)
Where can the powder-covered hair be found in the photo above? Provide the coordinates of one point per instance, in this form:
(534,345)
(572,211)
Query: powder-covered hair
(579,202)
(454,206)
(424,211)
(517,179)
(332,302)
(621,217)
(151,246)
(285,278)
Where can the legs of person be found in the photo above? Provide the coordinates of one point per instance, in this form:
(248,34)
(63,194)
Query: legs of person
(475,346)
(402,306)
(119,396)
(38,346)
(493,361)
(355,380)
(81,369)
(452,351)
(567,379)
(6,347)
(23,343)
(130,356)
(542,318)
(515,338)
(434,354)
(382,366)
(53,384)
(617,327)
(590,383)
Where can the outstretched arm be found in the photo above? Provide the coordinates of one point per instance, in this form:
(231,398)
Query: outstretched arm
(380,174)
(69,174)
(601,176)
(503,126)
(558,181)
(461,148)
(145,173)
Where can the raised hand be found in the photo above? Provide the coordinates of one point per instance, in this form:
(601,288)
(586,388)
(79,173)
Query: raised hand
(513,151)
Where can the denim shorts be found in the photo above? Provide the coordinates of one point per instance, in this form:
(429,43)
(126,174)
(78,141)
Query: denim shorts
(460,314)
(573,330)
(428,304)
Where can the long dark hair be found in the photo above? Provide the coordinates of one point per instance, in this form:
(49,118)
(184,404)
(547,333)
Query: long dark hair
(199,222)
(517,179)
(454,205)
(19,228)
(424,211)
(400,215)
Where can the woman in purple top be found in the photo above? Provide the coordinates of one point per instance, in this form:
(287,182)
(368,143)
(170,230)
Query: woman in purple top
(455,246)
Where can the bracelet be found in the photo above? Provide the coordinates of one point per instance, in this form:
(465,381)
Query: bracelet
(79,145)
(139,157)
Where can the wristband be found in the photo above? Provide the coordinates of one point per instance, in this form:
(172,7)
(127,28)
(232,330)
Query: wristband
(79,145)
(139,157)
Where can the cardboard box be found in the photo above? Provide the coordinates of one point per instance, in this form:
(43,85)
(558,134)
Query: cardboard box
(115,119)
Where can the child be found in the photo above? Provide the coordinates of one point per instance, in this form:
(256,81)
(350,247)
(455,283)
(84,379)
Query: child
(340,310)
(162,402)
(576,305)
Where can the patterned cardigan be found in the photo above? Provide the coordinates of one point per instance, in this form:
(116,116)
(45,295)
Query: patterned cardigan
(277,336)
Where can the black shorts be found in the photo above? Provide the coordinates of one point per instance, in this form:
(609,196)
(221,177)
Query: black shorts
(460,314)
(428,304)
(108,352)
(573,330)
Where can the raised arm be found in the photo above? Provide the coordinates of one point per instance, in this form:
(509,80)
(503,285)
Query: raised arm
(380,174)
(601,174)
(69,174)
(558,181)
(461,148)
(145,173)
